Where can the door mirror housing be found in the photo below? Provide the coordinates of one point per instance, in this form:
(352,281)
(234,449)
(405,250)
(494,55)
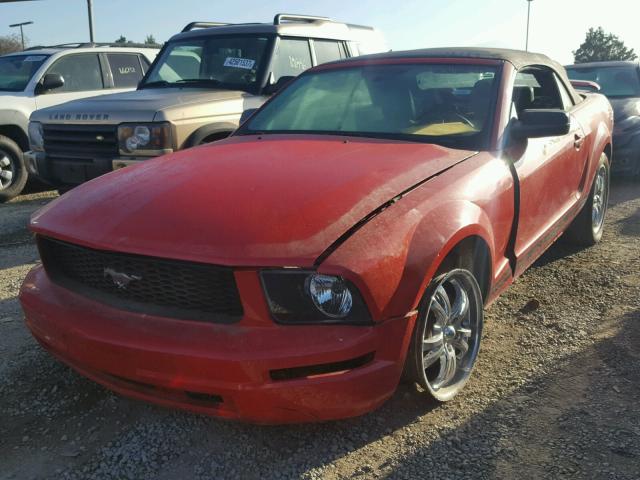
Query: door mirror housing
(50,81)
(541,123)
(276,87)
(246,114)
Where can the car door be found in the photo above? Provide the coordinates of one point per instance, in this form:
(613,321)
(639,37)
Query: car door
(82,75)
(549,170)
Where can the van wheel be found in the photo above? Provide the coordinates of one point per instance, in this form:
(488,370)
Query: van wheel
(586,229)
(446,338)
(13,173)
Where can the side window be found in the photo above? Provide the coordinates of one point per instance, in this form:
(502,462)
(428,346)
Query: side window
(126,69)
(567,102)
(145,63)
(291,58)
(81,73)
(536,88)
(328,51)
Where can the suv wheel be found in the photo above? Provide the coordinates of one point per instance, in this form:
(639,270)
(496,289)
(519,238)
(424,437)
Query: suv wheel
(13,174)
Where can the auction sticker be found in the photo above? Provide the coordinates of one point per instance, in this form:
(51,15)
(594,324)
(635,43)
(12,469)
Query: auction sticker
(245,63)
(35,58)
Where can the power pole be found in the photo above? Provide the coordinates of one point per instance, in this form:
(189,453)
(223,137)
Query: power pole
(90,8)
(528,19)
(21,31)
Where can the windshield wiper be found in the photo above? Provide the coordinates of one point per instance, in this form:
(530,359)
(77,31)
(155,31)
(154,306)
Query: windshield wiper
(203,81)
(157,83)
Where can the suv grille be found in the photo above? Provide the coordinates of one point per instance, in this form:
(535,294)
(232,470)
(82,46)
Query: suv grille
(80,142)
(169,288)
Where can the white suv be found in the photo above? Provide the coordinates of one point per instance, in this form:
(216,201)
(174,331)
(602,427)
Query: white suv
(47,76)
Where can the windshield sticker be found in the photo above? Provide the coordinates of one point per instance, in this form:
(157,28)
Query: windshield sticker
(245,63)
(35,58)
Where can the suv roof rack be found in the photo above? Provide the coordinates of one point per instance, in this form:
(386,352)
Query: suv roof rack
(289,17)
(192,25)
(90,45)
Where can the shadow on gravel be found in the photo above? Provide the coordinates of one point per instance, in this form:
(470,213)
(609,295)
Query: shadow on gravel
(581,420)
(623,190)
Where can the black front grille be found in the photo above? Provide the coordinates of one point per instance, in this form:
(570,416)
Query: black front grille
(81,143)
(170,288)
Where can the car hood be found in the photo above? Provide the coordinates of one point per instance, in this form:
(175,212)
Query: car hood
(244,201)
(145,105)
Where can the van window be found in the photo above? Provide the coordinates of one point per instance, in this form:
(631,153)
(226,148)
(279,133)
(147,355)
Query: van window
(292,57)
(126,69)
(328,51)
(81,73)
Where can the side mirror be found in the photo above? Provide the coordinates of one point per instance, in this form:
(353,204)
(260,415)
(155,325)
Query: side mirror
(276,87)
(50,81)
(541,123)
(246,114)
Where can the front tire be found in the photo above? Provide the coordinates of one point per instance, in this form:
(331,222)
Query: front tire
(586,229)
(446,338)
(13,172)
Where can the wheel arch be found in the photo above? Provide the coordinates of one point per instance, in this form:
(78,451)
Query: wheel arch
(215,131)
(17,134)
(395,277)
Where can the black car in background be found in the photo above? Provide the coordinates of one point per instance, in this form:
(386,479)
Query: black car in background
(620,82)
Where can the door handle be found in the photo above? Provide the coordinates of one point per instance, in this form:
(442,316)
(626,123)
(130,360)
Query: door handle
(578,140)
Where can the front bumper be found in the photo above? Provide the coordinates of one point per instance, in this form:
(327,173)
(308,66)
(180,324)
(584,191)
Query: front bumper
(626,155)
(220,370)
(67,173)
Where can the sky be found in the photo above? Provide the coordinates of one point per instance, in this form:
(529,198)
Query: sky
(557,26)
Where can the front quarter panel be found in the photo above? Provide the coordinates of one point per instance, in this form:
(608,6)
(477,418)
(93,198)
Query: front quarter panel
(394,256)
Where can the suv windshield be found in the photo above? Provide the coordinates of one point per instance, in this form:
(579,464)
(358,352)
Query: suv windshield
(17,70)
(623,81)
(231,62)
(439,103)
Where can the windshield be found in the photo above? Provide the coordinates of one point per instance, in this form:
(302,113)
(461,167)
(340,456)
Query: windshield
(17,70)
(623,81)
(438,103)
(231,62)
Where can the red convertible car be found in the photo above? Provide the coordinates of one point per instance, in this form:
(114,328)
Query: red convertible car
(351,231)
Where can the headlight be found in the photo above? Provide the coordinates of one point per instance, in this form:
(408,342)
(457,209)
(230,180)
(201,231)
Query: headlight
(299,297)
(148,139)
(36,138)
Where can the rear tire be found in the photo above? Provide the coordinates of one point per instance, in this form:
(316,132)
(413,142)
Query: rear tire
(446,337)
(586,229)
(13,172)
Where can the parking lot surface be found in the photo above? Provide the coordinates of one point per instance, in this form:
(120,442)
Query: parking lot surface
(554,394)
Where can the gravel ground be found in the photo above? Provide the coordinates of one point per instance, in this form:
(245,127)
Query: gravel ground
(555,393)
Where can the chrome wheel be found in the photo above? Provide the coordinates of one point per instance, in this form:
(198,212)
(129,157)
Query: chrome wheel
(6,170)
(450,332)
(600,198)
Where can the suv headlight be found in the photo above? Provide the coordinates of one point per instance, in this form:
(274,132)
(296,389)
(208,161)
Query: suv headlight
(299,297)
(36,137)
(149,139)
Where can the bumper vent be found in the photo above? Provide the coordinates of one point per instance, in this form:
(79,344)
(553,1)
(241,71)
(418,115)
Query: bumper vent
(168,288)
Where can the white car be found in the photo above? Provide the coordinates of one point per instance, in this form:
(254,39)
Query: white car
(47,76)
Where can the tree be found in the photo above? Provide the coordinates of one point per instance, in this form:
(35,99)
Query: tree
(122,39)
(10,44)
(600,46)
(150,40)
